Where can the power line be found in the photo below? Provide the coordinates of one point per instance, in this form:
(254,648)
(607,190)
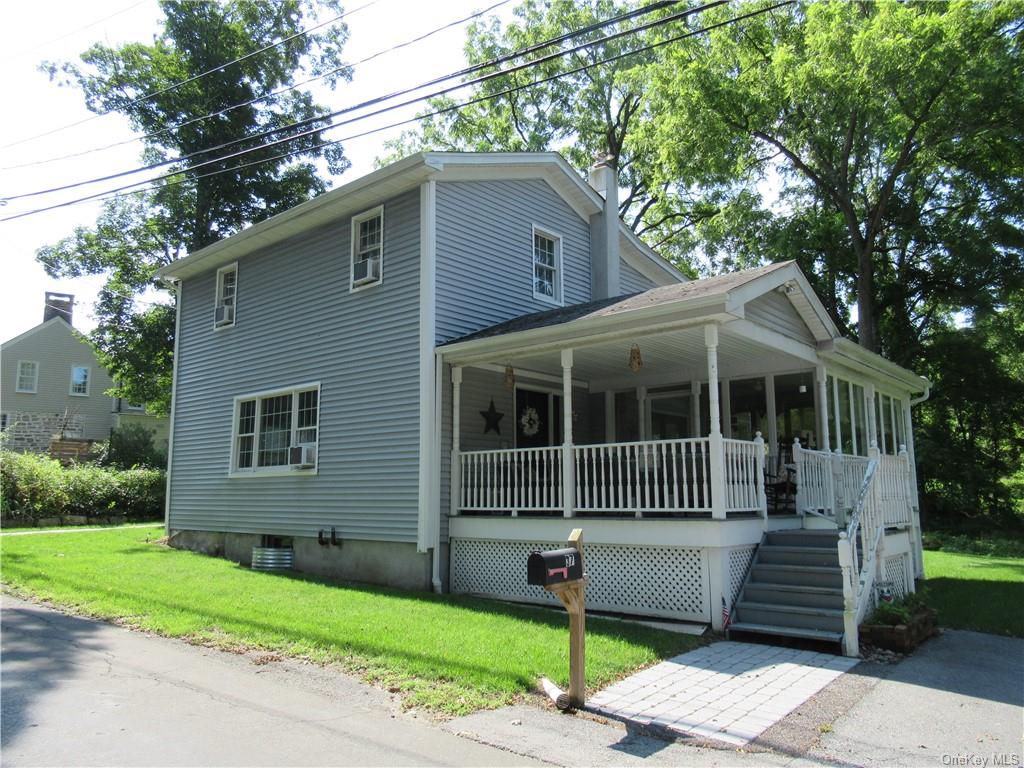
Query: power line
(379,99)
(264,97)
(112,194)
(66,35)
(174,86)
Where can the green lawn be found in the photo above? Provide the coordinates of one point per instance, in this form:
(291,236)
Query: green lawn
(978,592)
(448,654)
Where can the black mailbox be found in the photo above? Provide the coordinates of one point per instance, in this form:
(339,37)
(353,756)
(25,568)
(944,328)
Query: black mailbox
(554,567)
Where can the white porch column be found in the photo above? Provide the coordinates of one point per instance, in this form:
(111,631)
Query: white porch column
(715,437)
(641,411)
(872,412)
(773,430)
(695,408)
(455,494)
(568,465)
(822,379)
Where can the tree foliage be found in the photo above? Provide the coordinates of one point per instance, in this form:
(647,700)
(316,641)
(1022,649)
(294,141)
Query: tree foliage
(584,115)
(137,234)
(891,134)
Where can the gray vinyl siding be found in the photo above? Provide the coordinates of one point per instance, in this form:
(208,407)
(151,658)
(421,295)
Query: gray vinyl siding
(775,311)
(297,323)
(479,387)
(57,348)
(631,281)
(485,252)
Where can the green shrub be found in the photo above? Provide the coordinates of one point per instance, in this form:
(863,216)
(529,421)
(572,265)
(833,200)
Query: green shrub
(132,446)
(1006,545)
(890,614)
(34,487)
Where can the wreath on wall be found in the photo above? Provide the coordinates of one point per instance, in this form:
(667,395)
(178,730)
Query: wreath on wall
(529,421)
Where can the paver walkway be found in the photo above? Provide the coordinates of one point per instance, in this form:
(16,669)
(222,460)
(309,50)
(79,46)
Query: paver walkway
(726,691)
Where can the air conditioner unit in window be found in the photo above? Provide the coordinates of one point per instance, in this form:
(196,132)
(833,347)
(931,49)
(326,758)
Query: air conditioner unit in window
(224,315)
(302,456)
(364,272)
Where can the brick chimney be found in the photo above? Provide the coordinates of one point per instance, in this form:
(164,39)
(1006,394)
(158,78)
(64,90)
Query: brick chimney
(58,305)
(604,230)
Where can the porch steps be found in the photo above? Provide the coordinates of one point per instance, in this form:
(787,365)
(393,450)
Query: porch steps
(794,588)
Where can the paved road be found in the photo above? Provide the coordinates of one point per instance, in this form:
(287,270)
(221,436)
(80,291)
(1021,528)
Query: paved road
(81,692)
(959,700)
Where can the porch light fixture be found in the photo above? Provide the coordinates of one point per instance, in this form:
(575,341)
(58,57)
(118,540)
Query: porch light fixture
(636,362)
(510,376)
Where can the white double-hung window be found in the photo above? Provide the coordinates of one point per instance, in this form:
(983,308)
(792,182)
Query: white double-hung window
(547,266)
(276,431)
(28,377)
(226,298)
(367,249)
(79,381)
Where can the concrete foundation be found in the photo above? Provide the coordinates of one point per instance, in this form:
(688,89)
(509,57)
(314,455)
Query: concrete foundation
(375,562)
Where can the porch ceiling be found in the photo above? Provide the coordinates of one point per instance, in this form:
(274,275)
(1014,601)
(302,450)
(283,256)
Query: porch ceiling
(669,357)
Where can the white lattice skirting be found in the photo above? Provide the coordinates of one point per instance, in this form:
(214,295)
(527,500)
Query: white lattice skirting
(896,571)
(670,582)
(739,562)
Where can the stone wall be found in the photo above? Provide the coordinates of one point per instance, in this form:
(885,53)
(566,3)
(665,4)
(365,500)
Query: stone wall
(31,432)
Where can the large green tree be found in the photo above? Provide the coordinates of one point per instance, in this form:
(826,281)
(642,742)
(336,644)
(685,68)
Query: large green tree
(880,141)
(166,89)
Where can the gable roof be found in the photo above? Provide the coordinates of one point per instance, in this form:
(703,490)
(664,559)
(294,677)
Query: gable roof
(725,287)
(407,174)
(36,329)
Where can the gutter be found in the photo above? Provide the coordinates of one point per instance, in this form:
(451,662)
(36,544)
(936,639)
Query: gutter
(923,397)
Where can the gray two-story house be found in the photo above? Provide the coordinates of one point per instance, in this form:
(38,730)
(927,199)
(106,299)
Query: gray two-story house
(421,376)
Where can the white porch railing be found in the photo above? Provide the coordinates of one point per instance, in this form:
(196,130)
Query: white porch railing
(828,484)
(517,480)
(646,476)
(652,476)
(861,556)
(744,475)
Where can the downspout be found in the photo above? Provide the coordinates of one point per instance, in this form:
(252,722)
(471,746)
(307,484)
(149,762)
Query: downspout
(927,391)
(174,401)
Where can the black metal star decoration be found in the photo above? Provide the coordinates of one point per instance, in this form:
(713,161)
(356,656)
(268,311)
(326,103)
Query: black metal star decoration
(492,419)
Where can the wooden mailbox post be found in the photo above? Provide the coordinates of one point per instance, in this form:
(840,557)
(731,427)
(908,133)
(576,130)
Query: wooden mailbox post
(560,571)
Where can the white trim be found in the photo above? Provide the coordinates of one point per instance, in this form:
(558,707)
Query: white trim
(527,373)
(281,469)
(88,381)
(429,461)
(354,222)
(217,298)
(35,378)
(36,329)
(174,401)
(558,300)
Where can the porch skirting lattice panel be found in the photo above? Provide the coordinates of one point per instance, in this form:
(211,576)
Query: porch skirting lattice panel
(670,582)
(739,563)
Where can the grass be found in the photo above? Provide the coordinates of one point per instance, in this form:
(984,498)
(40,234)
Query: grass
(23,528)
(447,654)
(978,592)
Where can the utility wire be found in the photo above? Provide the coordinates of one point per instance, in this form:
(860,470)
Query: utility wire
(117,193)
(379,99)
(264,97)
(174,86)
(66,35)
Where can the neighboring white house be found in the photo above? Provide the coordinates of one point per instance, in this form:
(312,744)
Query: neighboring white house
(423,375)
(51,384)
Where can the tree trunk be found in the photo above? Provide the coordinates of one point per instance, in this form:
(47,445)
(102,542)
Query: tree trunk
(865,300)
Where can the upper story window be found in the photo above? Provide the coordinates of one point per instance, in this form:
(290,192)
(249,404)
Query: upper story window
(79,381)
(547,266)
(276,431)
(28,376)
(227,289)
(367,248)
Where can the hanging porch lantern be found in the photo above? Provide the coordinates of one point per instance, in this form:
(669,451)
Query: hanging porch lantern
(510,376)
(636,362)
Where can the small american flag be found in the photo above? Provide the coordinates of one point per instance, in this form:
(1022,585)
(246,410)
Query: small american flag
(725,614)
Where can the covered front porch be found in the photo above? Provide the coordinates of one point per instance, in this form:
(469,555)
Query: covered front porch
(688,423)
